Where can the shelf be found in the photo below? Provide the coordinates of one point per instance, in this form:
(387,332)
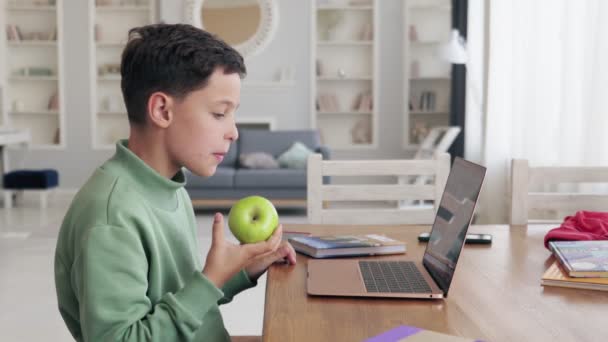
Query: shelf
(122,8)
(108,113)
(35,112)
(347,66)
(32,8)
(345,43)
(52,43)
(345,7)
(425,71)
(345,113)
(348,78)
(33,78)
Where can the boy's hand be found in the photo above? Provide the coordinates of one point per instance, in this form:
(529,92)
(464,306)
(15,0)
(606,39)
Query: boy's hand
(285,253)
(225,258)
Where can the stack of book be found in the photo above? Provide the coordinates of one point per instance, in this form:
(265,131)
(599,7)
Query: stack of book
(346,245)
(579,264)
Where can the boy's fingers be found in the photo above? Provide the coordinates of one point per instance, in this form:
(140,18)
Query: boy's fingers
(275,240)
(272,251)
(278,231)
(254,250)
(277,235)
(218,228)
(291,254)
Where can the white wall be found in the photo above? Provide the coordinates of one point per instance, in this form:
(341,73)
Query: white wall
(290,106)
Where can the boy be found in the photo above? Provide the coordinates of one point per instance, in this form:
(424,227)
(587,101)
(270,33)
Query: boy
(126,265)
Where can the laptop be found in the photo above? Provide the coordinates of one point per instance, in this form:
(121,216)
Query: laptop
(427,278)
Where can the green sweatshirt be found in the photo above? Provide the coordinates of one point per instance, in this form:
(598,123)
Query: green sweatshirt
(127,263)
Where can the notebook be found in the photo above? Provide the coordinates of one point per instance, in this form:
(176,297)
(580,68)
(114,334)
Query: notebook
(582,258)
(427,278)
(346,245)
(555,276)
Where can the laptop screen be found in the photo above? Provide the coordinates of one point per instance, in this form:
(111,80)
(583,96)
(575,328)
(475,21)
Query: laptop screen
(452,221)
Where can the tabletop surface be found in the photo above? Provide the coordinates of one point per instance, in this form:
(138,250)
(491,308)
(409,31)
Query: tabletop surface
(495,295)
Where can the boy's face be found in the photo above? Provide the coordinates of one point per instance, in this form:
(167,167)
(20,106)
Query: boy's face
(203,124)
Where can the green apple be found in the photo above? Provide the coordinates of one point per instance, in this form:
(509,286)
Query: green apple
(253,219)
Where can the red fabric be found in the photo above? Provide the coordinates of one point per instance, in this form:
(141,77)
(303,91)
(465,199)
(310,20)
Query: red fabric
(585,225)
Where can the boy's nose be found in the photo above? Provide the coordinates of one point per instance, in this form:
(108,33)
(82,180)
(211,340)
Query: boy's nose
(233,134)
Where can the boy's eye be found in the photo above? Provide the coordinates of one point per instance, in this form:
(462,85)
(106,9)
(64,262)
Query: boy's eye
(218,115)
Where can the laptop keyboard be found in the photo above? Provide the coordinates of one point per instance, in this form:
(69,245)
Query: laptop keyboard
(393,276)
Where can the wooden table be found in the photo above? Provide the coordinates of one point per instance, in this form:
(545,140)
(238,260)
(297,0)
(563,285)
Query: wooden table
(495,296)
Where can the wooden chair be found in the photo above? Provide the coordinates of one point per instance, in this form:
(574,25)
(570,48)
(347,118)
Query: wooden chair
(319,193)
(439,140)
(524,202)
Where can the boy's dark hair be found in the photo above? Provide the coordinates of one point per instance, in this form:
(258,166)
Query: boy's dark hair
(176,59)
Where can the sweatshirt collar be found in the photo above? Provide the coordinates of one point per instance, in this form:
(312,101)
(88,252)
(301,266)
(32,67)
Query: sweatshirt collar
(155,188)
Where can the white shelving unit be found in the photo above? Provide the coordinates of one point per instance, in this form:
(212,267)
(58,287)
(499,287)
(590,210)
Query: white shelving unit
(344,65)
(32,71)
(427,76)
(112,19)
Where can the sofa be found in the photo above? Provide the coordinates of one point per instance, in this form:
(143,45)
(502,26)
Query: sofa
(284,186)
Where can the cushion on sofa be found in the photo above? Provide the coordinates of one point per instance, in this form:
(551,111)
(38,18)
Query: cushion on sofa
(270,178)
(223,178)
(276,142)
(258,160)
(295,157)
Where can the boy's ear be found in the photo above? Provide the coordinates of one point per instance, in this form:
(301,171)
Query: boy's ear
(159,109)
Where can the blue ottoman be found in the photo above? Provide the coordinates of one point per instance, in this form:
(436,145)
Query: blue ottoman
(39,180)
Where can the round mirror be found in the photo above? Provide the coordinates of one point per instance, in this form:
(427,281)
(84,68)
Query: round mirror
(219,16)
(247,25)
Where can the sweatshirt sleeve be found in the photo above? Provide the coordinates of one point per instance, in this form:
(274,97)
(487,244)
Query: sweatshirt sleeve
(237,284)
(109,277)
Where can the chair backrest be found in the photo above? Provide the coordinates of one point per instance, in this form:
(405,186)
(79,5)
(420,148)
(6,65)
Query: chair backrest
(524,177)
(319,193)
(439,139)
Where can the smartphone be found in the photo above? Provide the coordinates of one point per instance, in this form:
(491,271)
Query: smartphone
(471,238)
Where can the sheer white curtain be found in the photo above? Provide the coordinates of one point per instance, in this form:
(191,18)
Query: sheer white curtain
(547,97)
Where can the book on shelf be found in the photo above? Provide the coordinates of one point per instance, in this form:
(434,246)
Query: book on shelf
(53,34)
(363,102)
(53,104)
(366,33)
(346,245)
(427,101)
(328,103)
(410,333)
(582,258)
(556,276)
(13,33)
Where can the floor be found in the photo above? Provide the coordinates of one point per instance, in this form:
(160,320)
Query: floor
(27,292)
